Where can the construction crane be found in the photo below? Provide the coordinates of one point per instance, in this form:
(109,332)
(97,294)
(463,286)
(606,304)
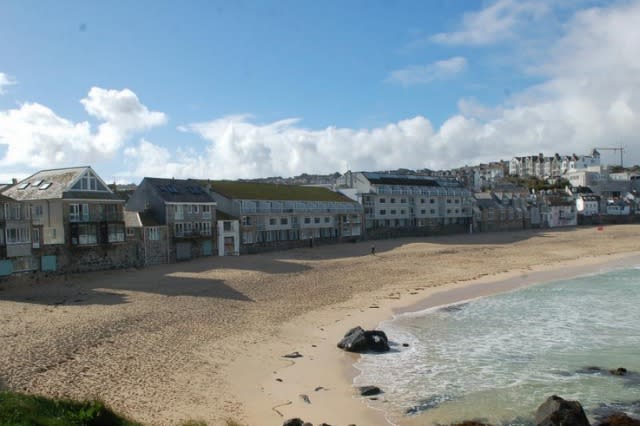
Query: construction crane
(621,149)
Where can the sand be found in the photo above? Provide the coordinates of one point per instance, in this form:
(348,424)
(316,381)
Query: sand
(204,339)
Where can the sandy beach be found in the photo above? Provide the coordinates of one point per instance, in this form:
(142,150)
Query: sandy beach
(205,340)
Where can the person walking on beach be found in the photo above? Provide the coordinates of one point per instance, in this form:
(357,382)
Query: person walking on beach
(373,250)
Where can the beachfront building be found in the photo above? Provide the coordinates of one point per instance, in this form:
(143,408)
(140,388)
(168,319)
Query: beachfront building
(410,203)
(77,221)
(228,235)
(558,210)
(15,237)
(285,216)
(483,177)
(186,210)
(500,211)
(151,236)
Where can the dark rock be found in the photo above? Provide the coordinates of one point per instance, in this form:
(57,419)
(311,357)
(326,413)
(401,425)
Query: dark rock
(318,388)
(405,345)
(556,411)
(278,379)
(359,340)
(295,354)
(369,390)
(620,419)
(428,404)
(619,371)
(293,422)
(307,424)
(305,398)
(589,370)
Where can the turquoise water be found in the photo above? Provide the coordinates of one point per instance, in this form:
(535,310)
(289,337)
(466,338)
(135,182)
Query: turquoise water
(498,358)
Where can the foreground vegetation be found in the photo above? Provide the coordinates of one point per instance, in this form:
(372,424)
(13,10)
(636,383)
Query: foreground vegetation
(18,409)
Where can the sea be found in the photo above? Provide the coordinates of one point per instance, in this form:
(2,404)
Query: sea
(497,358)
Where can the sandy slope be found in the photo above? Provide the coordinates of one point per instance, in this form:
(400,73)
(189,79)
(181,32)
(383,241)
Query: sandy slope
(204,339)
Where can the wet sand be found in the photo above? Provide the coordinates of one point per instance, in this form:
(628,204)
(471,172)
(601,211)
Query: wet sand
(204,339)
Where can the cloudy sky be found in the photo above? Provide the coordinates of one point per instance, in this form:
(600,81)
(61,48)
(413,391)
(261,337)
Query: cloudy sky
(254,88)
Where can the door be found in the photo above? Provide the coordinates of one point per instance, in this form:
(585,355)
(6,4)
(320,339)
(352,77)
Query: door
(207,248)
(183,251)
(229,245)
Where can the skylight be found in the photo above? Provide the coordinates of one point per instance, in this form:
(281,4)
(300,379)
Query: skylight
(45,185)
(23,186)
(37,183)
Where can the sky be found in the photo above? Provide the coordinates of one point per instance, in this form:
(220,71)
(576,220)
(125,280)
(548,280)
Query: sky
(247,89)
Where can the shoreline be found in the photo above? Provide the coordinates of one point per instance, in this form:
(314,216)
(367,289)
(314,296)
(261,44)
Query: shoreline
(342,396)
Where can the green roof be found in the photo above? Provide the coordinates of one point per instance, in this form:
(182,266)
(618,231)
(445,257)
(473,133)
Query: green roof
(271,191)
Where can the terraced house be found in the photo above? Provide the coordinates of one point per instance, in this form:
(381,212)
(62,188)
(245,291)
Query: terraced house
(285,216)
(15,237)
(77,221)
(409,201)
(187,211)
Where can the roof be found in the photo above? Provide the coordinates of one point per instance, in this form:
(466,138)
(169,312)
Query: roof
(220,215)
(133,219)
(397,179)
(54,184)
(179,190)
(270,191)
(485,200)
(5,199)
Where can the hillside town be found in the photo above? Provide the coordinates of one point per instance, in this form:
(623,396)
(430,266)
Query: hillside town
(70,220)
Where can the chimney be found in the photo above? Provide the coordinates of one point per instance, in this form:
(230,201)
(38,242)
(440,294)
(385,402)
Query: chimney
(14,181)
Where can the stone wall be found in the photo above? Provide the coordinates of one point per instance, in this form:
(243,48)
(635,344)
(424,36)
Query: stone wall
(94,257)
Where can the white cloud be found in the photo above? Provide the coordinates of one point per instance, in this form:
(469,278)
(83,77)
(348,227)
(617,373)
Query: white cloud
(420,74)
(5,81)
(35,136)
(495,23)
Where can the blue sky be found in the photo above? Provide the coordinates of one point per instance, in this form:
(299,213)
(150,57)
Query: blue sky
(250,89)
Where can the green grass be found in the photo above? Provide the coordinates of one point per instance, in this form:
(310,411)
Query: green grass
(272,191)
(18,409)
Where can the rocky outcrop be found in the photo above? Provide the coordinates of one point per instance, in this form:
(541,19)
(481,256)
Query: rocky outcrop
(361,341)
(619,419)
(369,390)
(556,411)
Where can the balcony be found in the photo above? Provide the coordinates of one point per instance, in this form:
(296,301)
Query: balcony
(192,234)
(96,217)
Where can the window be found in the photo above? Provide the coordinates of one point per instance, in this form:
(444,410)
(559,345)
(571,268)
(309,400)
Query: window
(393,200)
(432,211)
(448,200)
(36,211)
(457,201)
(188,228)
(179,229)
(284,221)
(18,235)
(178,212)
(78,212)
(316,220)
(392,212)
(421,200)
(423,211)
(116,232)
(383,212)
(1,236)
(432,201)
(307,220)
(272,221)
(87,234)
(195,208)
(153,233)
(205,228)
(327,219)
(226,226)
(246,220)
(206,212)
(131,232)
(403,200)
(382,201)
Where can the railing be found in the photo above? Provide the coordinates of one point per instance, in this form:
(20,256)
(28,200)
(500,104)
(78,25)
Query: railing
(96,217)
(193,233)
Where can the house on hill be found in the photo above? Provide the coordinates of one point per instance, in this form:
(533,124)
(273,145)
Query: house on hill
(185,208)
(77,221)
(285,216)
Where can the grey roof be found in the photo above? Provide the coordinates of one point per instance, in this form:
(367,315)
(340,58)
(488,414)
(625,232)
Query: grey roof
(5,199)
(179,190)
(485,200)
(60,181)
